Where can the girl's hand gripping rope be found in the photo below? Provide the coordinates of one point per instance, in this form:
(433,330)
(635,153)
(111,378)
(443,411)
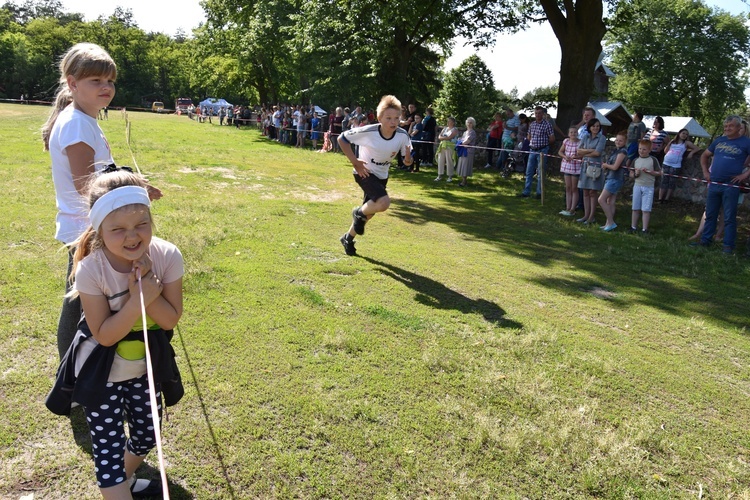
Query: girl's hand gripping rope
(151,285)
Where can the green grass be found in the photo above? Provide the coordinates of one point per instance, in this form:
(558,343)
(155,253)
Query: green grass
(481,346)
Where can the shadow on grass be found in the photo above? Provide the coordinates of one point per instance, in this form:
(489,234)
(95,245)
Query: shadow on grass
(657,270)
(434,294)
(82,437)
(214,441)
(80,428)
(176,492)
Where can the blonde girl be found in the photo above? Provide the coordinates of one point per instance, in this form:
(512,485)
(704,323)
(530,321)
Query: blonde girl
(614,177)
(77,148)
(571,169)
(115,258)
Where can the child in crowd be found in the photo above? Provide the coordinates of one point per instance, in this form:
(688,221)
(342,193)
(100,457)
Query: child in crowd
(117,264)
(379,143)
(301,128)
(416,133)
(571,169)
(674,152)
(315,131)
(615,167)
(645,170)
(510,143)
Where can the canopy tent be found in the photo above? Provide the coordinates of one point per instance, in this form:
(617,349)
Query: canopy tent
(214,104)
(673,124)
(320,110)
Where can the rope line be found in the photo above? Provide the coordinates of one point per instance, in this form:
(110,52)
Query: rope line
(152,395)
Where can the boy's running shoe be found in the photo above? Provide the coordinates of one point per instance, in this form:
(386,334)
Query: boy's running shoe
(348,245)
(359,221)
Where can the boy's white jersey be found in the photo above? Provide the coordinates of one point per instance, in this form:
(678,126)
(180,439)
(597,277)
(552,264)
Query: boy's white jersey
(376,150)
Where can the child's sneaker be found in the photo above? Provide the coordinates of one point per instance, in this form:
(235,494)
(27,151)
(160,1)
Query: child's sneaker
(359,221)
(348,244)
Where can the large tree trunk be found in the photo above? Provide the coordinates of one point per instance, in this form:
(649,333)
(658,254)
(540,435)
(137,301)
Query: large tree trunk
(395,79)
(579,32)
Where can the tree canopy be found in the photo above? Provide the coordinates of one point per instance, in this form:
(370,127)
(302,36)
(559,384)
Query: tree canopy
(679,58)
(468,90)
(35,34)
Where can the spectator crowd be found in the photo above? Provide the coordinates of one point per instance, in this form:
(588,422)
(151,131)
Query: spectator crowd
(643,164)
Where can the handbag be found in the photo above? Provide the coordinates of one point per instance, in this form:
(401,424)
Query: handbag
(593,171)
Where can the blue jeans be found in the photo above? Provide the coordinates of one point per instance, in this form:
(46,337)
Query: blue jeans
(531,167)
(717,197)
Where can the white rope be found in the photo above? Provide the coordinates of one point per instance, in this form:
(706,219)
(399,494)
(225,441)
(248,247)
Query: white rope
(152,395)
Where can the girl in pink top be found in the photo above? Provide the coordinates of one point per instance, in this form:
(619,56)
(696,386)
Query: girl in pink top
(571,168)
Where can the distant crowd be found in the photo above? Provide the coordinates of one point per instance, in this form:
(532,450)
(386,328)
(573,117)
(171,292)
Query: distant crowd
(226,115)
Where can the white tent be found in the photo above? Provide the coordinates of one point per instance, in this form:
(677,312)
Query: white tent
(673,124)
(214,104)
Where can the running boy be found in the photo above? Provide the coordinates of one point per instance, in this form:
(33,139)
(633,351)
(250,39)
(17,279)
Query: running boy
(378,143)
(645,170)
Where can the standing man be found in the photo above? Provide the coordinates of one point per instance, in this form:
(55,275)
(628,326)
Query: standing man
(511,125)
(730,154)
(541,136)
(588,114)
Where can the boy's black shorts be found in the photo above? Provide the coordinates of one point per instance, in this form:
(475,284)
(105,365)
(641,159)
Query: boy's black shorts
(373,187)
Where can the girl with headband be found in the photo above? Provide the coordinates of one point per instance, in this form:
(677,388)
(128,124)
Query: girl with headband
(104,369)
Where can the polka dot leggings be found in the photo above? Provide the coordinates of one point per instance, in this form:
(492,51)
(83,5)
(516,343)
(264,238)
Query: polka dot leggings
(128,400)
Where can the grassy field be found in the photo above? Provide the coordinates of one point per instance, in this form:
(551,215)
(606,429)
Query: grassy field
(480,347)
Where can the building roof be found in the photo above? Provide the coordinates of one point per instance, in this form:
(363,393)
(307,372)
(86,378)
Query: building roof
(601,117)
(673,124)
(607,107)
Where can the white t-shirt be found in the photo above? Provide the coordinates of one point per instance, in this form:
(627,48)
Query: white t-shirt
(96,276)
(673,158)
(376,150)
(71,127)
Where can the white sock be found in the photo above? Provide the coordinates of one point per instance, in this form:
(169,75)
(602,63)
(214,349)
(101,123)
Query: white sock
(137,485)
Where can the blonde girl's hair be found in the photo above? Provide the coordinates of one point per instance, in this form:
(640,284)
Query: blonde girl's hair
(387,102)
(82,60)
(100,185)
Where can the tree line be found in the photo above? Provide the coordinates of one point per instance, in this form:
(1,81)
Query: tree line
(678,57)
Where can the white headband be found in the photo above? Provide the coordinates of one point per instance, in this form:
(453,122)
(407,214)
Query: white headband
(117,198)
